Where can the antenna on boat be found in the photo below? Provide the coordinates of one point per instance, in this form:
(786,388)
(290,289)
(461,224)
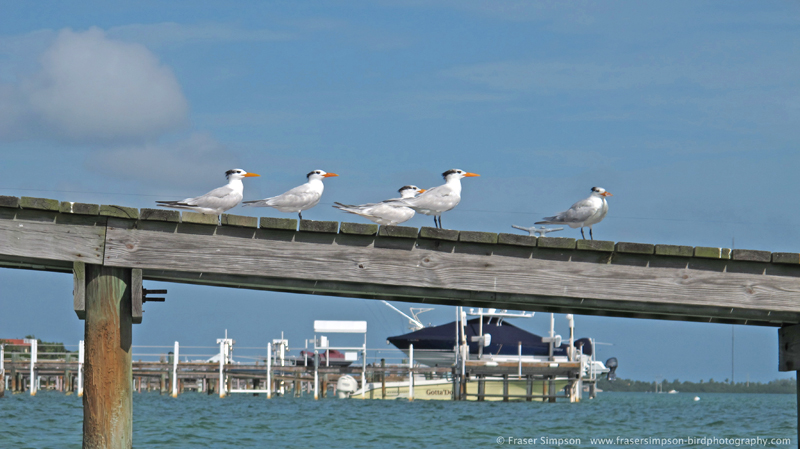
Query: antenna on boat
(413,321)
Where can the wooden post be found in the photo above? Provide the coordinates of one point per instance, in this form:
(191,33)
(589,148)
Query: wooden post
(14,382)
(108,402)
(269,371)
(34,355)
(505,387)
(176,358)
(410,372)
(221,384)
(2,371)
(383,378)
(789,357)
(316,375)
(481,388)
(529,388)
(81,367)
(67,375)
(551,388)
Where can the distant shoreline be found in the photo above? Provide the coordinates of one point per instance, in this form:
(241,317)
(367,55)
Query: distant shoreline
(778,386)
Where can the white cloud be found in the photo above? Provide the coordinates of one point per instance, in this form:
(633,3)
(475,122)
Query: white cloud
(93,89)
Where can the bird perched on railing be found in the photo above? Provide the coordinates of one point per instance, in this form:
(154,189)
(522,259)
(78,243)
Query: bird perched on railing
(443,198)
(587,212)
(540,232)
(298,199)
(388,212)
(218,200)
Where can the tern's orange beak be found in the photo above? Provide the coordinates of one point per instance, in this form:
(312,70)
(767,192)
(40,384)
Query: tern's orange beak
(328,175)
(422,190)
(606,194)
(468,175)
(250,175)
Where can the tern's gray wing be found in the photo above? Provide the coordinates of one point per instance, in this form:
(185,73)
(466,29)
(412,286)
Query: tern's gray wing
(221,198)
(297,197)
(578,213)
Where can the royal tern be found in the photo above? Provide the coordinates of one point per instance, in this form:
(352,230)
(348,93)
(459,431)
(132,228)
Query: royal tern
(300,198)
(388,212)
(583,213)
(441,198)
(218,200)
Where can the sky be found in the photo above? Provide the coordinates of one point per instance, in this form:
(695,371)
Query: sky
(686,111)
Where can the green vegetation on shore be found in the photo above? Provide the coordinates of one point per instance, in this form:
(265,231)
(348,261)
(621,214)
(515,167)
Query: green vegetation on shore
(45,347)
(787,386)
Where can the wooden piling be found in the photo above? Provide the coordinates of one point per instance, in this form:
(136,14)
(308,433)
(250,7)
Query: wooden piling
(505,387)
(2,371)
(529,388)
(67,375)
(107,399)
(14,380)
(383,379)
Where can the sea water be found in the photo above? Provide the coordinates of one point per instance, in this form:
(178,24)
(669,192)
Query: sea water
(194,420)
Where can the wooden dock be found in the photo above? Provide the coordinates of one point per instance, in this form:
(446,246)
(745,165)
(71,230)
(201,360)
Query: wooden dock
(111,249)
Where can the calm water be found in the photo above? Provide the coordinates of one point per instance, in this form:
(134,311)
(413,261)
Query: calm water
(53,420)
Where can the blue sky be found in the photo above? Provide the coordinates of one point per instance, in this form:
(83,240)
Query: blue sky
(686,111)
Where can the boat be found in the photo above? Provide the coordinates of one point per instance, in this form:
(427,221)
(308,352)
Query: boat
(330,357)
(487,341)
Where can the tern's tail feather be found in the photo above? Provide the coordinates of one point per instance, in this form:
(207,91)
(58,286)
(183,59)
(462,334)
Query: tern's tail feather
(549,220)
(175,204)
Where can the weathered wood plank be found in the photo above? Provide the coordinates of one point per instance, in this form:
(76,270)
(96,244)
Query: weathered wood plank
(48,240)
(483,299)
(136,296)
(79,289)
(789,348)
(107,398)
(427,266)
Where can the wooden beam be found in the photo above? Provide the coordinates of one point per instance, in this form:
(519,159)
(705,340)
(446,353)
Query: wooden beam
(136,296)
(429,266)
(789,348)
(79,289)
(424,269)
(107,398)
(51,236)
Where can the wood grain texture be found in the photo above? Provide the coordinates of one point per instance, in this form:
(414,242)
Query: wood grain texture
(442,269)
(49,240)
(107,398)
(789,348)
(79,289)
(136,296)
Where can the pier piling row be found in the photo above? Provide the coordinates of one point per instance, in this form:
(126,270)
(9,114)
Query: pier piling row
(103,244)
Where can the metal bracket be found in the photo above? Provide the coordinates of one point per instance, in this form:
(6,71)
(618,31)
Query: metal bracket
(139,296)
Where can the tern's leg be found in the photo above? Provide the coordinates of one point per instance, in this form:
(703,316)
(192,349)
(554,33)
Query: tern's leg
(582,235)
(300,214)
(590,233)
